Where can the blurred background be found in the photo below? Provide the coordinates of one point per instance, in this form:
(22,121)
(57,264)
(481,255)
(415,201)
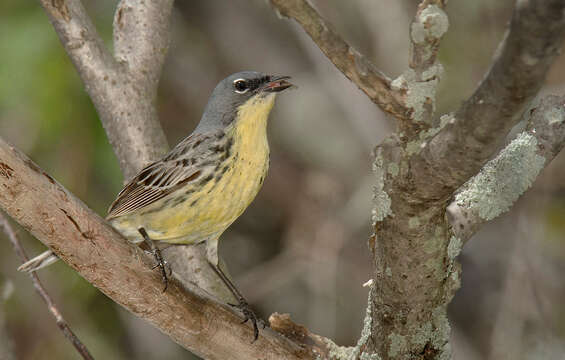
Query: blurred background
(301,247)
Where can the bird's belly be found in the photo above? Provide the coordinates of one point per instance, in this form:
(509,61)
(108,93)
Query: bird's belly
(206,211)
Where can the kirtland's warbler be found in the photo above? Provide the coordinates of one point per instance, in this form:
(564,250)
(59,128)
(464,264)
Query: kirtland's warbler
(206,182)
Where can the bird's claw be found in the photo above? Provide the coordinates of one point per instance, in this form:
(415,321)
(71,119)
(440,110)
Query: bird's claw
(248,314)
(160,261)
(163,265)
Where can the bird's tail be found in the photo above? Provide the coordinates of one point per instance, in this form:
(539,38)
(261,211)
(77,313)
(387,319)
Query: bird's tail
(40,261)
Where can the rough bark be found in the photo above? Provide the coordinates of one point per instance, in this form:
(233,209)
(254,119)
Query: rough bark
(418,84)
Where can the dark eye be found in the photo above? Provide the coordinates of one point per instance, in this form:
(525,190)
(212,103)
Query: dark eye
(240,86)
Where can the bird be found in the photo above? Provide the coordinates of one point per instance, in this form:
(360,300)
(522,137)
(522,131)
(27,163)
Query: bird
(198,189)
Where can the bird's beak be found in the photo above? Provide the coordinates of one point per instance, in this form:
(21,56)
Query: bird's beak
(277,84)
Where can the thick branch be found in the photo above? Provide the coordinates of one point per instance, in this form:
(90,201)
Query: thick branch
(479,127)
(349,61)
(124,102)
(414,278)
(505,178)
(104,258)
(141,39)
(81,42)
(321,347)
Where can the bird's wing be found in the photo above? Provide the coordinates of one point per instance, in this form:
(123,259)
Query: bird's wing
(192,159)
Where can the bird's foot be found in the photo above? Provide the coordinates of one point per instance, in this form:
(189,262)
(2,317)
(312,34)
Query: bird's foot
(163,265)
(249,314)
(160,261)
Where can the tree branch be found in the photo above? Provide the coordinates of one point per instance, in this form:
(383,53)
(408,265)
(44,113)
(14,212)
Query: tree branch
(505,178)
(104,258)
(349,61)
(141,40)
(419,83)
(123,99)
(81,42)
(61,322)
(427,29)
(478,128)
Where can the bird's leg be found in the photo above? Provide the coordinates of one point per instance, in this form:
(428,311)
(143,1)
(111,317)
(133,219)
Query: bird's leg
(157,254)
(242,305)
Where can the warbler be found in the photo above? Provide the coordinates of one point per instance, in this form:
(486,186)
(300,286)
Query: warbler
(204,184)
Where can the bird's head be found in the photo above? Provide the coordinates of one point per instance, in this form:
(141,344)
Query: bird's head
(238,89)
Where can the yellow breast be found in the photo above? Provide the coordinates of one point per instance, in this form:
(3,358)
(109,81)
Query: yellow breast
(210,209)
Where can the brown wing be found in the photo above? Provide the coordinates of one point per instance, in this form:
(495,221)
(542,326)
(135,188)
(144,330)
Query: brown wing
(187,162)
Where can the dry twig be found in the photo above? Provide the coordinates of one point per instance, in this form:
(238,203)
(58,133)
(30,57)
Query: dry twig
(355,66)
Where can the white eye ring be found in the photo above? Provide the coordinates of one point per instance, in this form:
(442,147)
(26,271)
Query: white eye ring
(238,88)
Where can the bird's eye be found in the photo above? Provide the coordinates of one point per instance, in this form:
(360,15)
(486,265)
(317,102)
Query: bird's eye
(240,86)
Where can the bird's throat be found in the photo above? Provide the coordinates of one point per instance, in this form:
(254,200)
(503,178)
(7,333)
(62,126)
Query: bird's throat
(250,126)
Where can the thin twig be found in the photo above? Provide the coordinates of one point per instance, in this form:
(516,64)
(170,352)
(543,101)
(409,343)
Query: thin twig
(355,66)
(427,29)
(419,83)
(61,323)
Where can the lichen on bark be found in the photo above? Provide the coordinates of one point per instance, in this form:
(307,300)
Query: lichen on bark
(502,180)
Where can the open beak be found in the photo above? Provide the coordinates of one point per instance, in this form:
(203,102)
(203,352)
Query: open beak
(277,84)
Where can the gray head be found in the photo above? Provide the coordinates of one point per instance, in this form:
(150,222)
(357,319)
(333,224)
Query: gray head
(234,91)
